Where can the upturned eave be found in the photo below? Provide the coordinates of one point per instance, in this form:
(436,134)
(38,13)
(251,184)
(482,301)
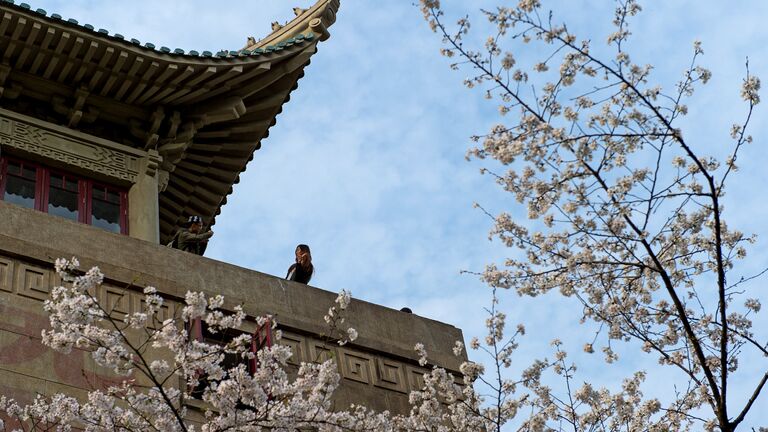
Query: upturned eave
(204,113)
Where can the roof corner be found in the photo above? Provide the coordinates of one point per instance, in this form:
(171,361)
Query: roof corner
(314,21)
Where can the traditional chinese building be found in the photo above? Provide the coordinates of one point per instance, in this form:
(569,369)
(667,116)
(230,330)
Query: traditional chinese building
(107,143)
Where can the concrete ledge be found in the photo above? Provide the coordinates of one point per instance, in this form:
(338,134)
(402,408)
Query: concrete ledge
(42,238)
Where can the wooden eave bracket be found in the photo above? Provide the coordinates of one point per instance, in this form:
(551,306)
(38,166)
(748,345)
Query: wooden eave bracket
(225,109)
(174,123)
(172,153)
(77,111)
(154,126)
(5,70)
(172,149)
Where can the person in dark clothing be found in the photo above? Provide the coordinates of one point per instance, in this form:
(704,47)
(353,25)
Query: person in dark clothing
(191,238)
(301,271)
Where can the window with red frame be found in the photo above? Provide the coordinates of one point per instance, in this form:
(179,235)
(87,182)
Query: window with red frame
(62,194)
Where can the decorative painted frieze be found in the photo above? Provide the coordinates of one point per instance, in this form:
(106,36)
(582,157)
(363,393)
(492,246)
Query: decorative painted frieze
(92,155)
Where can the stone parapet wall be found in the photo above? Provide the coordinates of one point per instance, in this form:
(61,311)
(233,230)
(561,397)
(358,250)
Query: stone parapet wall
(378,370)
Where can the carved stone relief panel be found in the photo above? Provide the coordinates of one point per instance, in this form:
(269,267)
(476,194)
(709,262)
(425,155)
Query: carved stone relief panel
(116,301)
(33,281)
(415,377)
(296,344)
(6,275)
(390,375)
(92,156)
(319,352)
(166,311)
(356,366)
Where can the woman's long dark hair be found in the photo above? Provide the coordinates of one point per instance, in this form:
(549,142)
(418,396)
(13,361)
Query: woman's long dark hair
(302,270)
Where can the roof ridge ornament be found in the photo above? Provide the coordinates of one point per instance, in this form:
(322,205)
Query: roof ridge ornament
(317,19)
(318,27)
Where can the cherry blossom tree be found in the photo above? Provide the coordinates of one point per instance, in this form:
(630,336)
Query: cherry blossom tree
(625,214)
(162,367)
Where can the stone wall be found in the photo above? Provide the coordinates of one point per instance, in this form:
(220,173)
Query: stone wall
(378,370)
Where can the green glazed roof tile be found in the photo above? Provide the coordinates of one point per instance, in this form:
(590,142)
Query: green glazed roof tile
(299,38)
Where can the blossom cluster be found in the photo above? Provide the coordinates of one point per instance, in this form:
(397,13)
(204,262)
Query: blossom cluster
(336,318)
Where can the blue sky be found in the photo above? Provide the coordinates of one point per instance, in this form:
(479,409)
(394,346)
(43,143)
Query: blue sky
(366,162)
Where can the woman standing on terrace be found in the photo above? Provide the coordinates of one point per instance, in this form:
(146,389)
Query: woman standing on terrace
(301,271)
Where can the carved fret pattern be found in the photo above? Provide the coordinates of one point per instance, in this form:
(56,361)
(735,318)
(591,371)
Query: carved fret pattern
(116,301)
(356,366)
(415,377)
(6,275)
(166,310)
(375,370)
(319,352)
(296,343)
(33,281)
(390,375)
